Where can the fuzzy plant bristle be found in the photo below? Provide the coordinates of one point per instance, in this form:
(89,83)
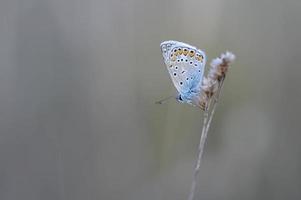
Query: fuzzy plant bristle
(219,66)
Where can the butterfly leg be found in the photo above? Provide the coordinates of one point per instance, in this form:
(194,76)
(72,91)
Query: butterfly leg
(164,100)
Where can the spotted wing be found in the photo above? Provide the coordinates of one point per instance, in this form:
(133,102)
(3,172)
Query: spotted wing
(185,65)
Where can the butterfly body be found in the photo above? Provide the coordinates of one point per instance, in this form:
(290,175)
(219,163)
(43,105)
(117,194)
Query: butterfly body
(185,64)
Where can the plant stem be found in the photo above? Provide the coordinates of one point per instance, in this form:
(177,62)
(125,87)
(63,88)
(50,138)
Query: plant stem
(199,159)
(220,87)
(205,129)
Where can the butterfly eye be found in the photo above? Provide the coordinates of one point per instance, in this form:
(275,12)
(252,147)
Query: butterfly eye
(181,83)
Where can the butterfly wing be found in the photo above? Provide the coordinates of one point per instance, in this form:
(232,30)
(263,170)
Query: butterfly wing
(185,65)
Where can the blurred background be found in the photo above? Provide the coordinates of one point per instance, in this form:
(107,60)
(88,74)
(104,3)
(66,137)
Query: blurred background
(78,82)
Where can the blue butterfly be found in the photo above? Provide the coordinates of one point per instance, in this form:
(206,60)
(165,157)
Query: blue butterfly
(185,64)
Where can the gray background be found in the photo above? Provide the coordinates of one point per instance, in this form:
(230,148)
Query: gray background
(78,81)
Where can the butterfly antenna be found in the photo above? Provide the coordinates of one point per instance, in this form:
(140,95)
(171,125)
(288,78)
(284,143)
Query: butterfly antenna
(164,100)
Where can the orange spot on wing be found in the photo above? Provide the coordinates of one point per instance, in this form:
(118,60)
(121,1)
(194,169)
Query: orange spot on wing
(180,51)
(191,53)
(175,52)
(199,57)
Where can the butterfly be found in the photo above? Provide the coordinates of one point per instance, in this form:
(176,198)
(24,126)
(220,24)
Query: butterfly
(185,64)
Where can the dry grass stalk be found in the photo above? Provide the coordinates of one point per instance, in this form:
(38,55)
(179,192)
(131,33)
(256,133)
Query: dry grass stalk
(211,90)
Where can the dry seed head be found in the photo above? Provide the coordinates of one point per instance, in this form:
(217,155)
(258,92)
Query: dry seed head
(204,102)
(209,87)
(220,66)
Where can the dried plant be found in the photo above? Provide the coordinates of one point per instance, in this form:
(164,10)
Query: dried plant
(211,90)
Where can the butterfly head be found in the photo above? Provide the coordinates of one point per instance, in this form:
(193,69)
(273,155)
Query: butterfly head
(180,99)
(188,97)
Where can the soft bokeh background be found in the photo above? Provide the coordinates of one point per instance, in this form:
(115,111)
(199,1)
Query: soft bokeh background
(78,82)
